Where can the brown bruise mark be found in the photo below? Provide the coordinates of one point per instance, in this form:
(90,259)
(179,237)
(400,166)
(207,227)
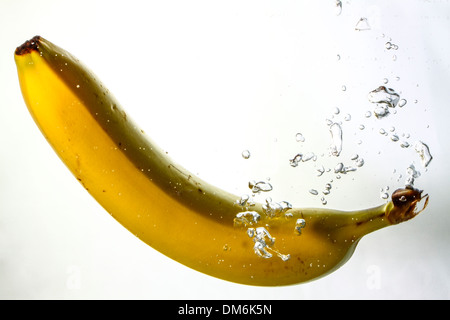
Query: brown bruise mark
(28,46)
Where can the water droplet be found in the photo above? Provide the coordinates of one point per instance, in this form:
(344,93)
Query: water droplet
(368,114)
(424,153)
(344,88)
(299,137)
(336,139)
(245,154)
(348,117)
(323,200)
(362,25)
(361,127)
(313,192)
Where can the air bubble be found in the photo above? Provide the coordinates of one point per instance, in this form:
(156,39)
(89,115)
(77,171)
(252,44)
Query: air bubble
(336,139)
(338,7)
(411,175)
(299,225)
(320,171)
(362,25)
(294,161)
(384,95)
(275,209)
(299,137)
(394,137)
(245,154)
(263,244)
(246,218)
(245,200)
(424,153)
(260,186)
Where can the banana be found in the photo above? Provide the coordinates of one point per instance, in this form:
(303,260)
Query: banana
(169,208)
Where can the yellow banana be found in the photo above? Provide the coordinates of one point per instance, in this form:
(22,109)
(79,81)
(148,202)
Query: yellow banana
(170,209)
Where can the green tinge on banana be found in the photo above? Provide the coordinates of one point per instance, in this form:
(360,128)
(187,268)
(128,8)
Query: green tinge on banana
(169,208)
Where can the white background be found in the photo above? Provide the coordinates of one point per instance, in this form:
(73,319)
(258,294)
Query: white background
(207,80)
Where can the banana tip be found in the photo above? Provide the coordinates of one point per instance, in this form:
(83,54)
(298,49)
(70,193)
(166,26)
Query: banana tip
(406,203)
(28,46)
